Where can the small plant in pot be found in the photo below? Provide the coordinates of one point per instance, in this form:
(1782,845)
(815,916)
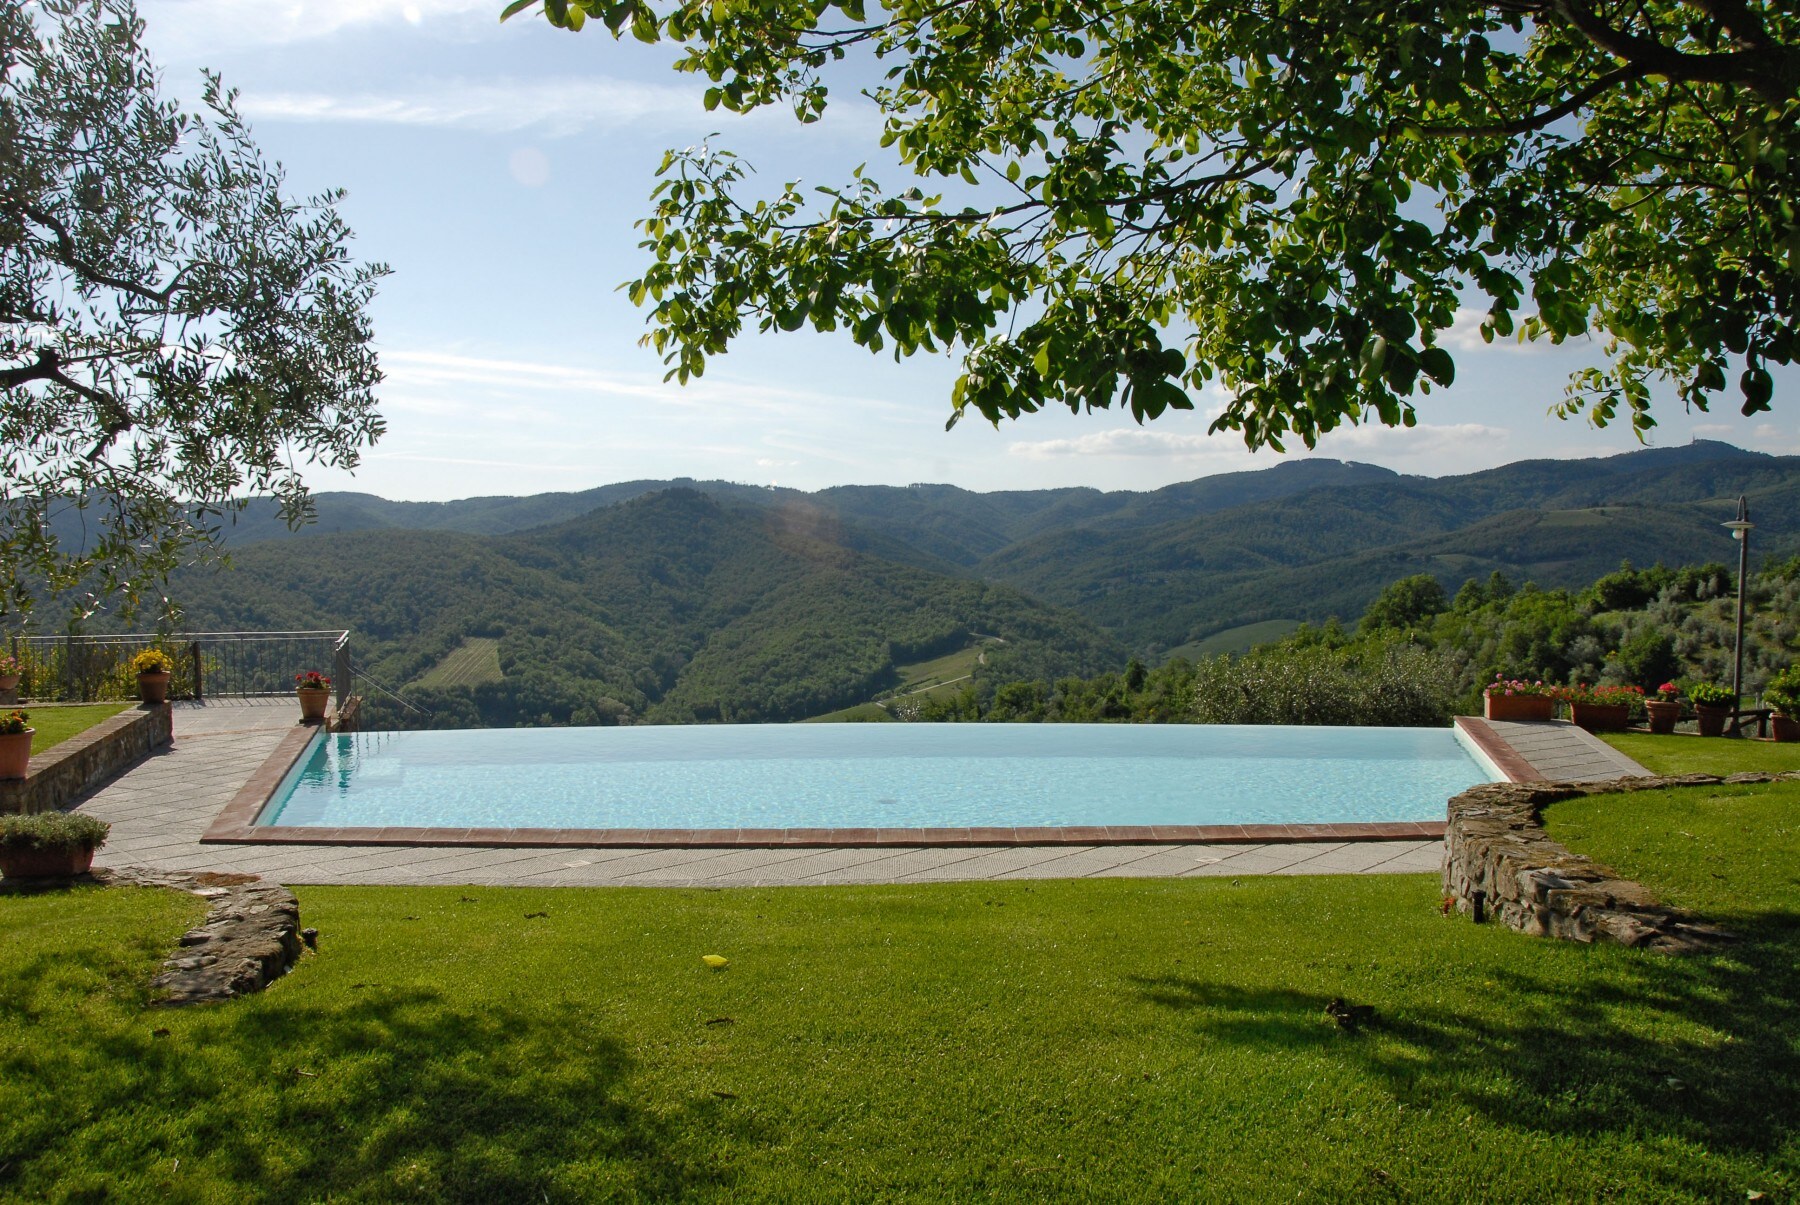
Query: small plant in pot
(314,691)
(10,672)
(1713,706)
(1783,695)
(1602,708)
(1515,699)
(153,667)
(15,743)
(1665,709)
(49,845)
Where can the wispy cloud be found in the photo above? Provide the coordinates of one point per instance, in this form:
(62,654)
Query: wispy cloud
(416,375)
(190,27)
(1423,441)
(552,107)
(1129,441)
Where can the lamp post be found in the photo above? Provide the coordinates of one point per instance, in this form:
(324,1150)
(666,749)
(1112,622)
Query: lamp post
(1740,531)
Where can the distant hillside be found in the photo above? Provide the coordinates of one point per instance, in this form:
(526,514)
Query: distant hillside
(673,606)
(709,600)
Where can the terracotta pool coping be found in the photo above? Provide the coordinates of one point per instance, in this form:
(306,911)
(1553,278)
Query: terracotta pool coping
(1506,759)
(236,824)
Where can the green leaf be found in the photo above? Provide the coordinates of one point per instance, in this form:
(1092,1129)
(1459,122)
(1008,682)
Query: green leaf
(1438,365)
(515,8)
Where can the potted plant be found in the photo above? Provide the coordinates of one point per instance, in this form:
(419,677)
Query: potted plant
(1602,708)
(49,845)
(1783,694)
(15,743)
(1713,705)
(1665,708)
(10,672)
(314,691)
(153,667)
(1513,699)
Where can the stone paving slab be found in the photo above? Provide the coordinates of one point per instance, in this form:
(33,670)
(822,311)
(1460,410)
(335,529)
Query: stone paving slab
(159,810)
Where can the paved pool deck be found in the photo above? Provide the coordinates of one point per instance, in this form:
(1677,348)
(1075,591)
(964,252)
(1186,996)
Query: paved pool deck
(159,810)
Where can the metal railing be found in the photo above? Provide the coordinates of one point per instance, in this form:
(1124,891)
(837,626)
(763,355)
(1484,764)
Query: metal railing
(208,665)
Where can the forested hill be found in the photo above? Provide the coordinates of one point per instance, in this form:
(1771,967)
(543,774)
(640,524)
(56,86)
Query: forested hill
(673,606)
(711,600)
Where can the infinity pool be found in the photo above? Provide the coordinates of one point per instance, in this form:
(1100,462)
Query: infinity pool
(874,776)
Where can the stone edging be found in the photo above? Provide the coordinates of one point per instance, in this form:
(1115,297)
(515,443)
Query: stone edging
(1499,862)
(70,769)
(250,938)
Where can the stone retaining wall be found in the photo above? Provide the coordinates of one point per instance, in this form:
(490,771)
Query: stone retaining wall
(1500,863)
(65,772)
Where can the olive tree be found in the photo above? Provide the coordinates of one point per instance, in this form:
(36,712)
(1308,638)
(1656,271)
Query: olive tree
(174,331)
(1291,198)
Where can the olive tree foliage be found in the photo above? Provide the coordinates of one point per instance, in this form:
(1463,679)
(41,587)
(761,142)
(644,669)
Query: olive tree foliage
(174,332)
(1289,198)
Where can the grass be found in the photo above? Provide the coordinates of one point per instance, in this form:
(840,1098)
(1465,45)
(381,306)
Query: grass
(1234,640)
(1682,754)
(474,662)
(1122,1040)
(57,724)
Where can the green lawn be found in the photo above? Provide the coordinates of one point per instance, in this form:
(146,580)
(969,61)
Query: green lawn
(1126,1040)
(57,724)
(1682,754)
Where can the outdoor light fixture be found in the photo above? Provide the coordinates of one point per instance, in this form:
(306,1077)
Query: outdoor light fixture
(1740,531)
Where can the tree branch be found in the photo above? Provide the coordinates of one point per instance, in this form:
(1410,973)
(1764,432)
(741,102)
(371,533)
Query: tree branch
(1544,117)
(1771,70)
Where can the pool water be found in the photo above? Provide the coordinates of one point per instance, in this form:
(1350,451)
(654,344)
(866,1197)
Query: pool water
(874,776)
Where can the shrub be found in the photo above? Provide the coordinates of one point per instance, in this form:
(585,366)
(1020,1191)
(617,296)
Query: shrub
(52,830)
(1383,684)
(1783,691)
(1649,656)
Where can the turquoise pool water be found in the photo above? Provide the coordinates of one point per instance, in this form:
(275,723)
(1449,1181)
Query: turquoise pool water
(875,776)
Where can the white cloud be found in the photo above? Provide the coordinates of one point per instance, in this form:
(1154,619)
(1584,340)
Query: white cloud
(1465,335)
(557,107)
(1129,441)
(416,374)
(1425,439)
(187,28)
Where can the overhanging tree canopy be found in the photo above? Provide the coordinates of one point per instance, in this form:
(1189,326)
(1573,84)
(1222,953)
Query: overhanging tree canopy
(173,331)
(1300,194)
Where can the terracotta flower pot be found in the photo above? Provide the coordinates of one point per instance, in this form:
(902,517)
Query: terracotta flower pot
(1600,717)
(15,753)
(1519,707)
(1711,719)
(1663,715)
(312,703)
(1784,727)
(57,862)
(9,682)
(154,688)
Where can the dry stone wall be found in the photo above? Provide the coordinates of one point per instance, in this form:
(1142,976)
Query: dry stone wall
(1500,864)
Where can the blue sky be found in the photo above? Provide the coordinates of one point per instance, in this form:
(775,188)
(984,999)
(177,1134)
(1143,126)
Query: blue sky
(498,169)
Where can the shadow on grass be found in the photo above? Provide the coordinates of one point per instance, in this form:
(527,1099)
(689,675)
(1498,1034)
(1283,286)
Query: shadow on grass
(1703,1048)
(394,1092)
